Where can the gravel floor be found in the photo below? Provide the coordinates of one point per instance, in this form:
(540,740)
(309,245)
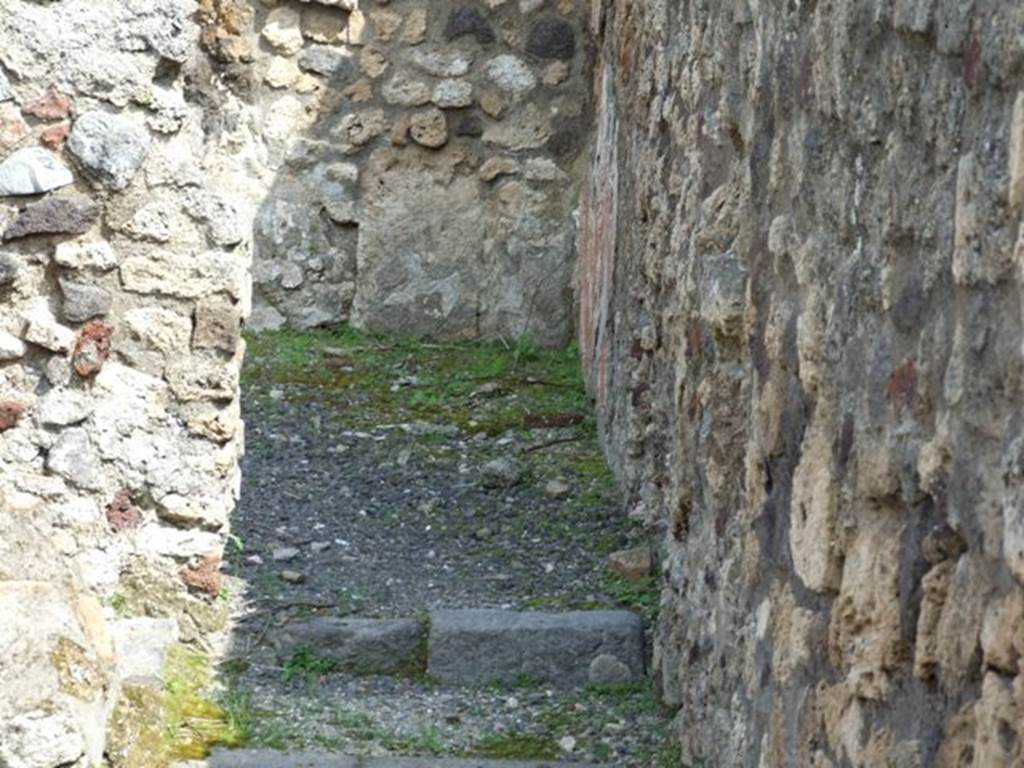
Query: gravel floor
(349,512)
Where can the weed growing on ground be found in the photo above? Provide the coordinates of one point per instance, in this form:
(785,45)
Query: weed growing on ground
(305,664)
(517,746)
(642,596)
(486,386)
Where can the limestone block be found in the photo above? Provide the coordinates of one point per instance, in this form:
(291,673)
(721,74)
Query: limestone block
(11,347)
(959,630)
(366,646)
(864,635)
(78,254)
(999,740)
(42,329)
(63,407)
(282,72)
(481,647)
(55,678)
(141,645)
(283,30)
(1002,633)
(185,275)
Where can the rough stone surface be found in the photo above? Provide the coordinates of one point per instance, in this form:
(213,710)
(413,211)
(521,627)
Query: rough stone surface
(801,320)
(55,216)
(481,646)
(54,677)
(346,106)
(552,39)
(94,449)
(367,646)
(110,147)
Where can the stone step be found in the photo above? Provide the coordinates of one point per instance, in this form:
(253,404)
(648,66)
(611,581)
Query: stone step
(362,646)
(481,647)
(245,758)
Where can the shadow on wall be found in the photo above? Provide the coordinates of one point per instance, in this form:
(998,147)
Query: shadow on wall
(419,163)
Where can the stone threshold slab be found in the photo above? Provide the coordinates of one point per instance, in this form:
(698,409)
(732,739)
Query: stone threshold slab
(246,758)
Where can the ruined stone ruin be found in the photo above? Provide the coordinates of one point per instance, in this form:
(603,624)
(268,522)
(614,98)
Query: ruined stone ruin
(789,238)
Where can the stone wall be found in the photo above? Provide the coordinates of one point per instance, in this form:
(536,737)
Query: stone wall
(413,163)
(123,281)
(801,315)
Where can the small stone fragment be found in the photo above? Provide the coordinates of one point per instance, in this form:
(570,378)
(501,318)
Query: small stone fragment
(503,472)
(33,171)
(631,564)
(283,30)
(86,255)
(609,670)
(282,72)
(1017,155)
(10,413)
(498,166)
(327,61)
(292,577)
(555,73)
(11,347)
(84,302)
(92,349)
(492,104)
(43,330)
(12,127)
(51,105)
(285,554)
(122,514)
(205,576)
(438,64)
(557,488)
(55,136)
